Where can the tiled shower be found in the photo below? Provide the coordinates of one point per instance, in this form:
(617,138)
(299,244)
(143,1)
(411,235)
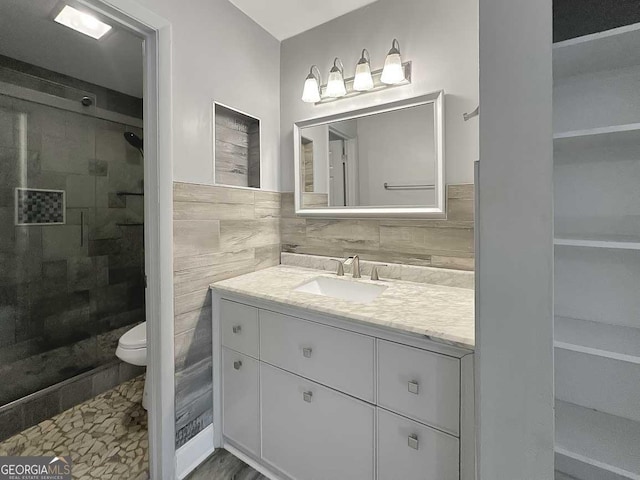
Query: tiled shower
(71,246)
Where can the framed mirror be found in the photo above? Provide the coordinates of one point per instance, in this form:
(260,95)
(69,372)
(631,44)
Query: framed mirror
(236,148)
(381,161)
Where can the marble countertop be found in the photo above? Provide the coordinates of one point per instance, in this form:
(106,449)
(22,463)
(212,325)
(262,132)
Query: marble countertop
(441,313)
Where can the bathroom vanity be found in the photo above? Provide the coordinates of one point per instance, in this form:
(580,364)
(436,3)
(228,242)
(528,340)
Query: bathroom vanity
(324,377)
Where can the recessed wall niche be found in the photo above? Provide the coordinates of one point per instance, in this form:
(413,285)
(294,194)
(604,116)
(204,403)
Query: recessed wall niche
(236,148)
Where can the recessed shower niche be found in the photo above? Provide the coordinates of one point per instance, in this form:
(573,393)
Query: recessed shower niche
(236,148)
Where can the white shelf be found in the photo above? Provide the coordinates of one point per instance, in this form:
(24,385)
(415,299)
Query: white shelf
(596,338)
(614,135)
(598,439)
(616,242)
(609,50)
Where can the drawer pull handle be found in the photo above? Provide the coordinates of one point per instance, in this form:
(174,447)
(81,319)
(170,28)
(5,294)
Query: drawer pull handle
(307,396)
(237,364)
(413,387)
(307,352)
(237,329)
(413,441)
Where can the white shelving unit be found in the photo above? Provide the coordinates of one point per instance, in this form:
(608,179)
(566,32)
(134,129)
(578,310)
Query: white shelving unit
(598,137)
(615,242)
(597,185)
(606,443)
(596,338)
(611,50)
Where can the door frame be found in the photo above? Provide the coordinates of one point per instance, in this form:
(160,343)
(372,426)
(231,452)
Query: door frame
(158,227)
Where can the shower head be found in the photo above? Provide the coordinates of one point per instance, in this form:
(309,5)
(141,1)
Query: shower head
(134,140)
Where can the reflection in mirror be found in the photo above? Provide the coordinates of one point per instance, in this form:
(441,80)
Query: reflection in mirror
(386,158)
(236,148)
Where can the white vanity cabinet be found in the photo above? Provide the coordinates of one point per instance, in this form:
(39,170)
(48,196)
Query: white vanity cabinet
(302,396)
(313,432)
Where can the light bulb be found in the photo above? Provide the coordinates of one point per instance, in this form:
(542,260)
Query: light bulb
(311,90)
(363,80)
(335,84)
(393,72)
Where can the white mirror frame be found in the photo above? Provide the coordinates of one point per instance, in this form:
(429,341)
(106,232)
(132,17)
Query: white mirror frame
(437,211)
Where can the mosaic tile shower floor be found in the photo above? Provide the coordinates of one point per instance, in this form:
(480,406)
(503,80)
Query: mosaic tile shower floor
(106,436)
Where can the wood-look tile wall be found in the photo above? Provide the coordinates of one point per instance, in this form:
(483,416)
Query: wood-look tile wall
(219,232)
(237,148)
(222,232)
(438,243)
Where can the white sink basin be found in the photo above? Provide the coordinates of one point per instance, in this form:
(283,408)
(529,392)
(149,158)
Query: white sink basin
(358,292)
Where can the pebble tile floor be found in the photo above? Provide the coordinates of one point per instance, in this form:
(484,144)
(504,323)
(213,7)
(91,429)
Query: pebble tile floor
(106,436)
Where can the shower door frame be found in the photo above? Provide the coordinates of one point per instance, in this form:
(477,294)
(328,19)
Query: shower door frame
(158,225)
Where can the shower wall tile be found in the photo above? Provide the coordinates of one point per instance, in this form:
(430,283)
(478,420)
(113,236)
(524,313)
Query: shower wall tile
(105,379)
(219,232)
(110,146)
(62,241)
(75,392)
(99,168)
(42,407)
(81,191)
(57,155)
(11,422)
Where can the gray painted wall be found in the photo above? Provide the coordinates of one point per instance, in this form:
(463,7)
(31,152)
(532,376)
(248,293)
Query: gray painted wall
(439,36)
(514,338)
(219,54)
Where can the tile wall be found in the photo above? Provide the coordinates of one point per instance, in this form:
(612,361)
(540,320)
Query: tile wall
(223,232)
(219,232)
(438,243)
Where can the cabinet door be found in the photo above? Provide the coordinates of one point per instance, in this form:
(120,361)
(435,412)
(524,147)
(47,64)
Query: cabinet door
(420,384)
(240,400)
(409,450)
(311,432)
(331,356)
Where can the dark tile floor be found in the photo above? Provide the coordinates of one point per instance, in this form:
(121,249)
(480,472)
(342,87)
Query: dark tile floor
(224,466)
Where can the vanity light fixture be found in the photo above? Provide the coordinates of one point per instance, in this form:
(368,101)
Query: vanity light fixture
(335,85)
(363,80)
(311,90)
(393,72)
(82,22)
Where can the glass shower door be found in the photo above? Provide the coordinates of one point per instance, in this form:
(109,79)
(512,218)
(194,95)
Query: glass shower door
(48,198)
(71,246)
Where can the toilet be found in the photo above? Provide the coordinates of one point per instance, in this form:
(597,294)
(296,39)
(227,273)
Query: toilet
(132,348)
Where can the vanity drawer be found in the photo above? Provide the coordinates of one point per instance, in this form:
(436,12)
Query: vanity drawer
(240,400)
(407,449)
(340,359)
(239,324)
(420,384)
(311,432)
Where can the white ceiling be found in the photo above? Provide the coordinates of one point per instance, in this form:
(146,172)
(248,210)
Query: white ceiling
(286,18)
(28,33)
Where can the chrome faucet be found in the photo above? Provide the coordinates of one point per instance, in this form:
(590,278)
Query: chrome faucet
(374,271)
(340,271)
(355,261)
